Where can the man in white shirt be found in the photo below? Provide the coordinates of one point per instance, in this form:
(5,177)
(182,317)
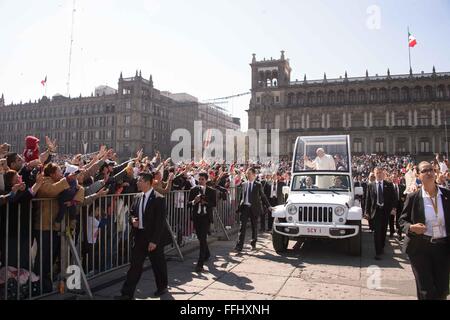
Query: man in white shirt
(323,162)
(150,233)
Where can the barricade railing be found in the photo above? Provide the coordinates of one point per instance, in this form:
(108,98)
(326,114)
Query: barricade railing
(40,256)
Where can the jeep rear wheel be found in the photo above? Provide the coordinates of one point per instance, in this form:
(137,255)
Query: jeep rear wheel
(280,242)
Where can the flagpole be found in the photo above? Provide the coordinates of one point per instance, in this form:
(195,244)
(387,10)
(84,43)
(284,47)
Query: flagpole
(409,50)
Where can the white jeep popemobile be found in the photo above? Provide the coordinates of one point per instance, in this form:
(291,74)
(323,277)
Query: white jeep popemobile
(321,197)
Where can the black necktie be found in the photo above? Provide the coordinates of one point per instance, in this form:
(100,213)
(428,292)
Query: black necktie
(143,209)
(202,192)
(380,195)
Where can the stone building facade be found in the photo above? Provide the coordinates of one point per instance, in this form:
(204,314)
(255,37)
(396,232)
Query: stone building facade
(134,116)
(390,114)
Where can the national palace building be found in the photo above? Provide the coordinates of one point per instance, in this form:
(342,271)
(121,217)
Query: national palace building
(391,114)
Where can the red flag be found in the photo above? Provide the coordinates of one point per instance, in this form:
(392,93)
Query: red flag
(44,82)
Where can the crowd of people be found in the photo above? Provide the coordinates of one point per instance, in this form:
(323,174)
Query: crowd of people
(68,184)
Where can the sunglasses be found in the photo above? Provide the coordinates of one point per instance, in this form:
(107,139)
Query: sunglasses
(427,170)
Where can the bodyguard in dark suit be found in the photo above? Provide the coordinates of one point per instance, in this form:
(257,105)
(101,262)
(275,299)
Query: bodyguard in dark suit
(275,197)
(425,220)
(202,200)
(150,233)
(399,189)
(250,207)
(379,204)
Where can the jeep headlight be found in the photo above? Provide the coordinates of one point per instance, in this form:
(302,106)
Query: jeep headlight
(292,209)
(339,211)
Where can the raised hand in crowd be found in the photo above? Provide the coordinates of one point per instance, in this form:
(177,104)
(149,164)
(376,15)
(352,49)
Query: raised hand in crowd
(4,149)
(51,145)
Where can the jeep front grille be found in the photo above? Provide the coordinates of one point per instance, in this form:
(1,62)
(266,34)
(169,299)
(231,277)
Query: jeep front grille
(315,214)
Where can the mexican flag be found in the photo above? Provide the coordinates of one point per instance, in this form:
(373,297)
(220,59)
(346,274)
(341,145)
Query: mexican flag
(44,82)
(412,40)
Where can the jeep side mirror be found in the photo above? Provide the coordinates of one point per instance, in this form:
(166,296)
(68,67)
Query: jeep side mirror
(359,191)
(285,190)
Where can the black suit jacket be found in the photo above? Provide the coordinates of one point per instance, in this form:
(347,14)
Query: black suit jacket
(414,212)
(280,197)
(210,194)
(155,225)
(257,197)
(371,198)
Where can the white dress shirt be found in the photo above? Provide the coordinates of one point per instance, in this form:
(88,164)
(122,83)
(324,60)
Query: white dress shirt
(273,193)
(430,215)
(202,192)
(141,214)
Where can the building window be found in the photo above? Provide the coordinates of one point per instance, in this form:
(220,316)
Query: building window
(357,122)
(296,124)
(319,98)
(379,145)
(127,119)
(126,133)
(357,146)
(335,123)
(424,121)
(379,122)
(352,96)
(316,124)
(128,105)
(277,99)
(401,122)
(424,146)
(401,145)
(441,92)
(258,99)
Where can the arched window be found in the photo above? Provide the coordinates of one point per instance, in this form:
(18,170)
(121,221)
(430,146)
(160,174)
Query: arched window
(429,93)
(311,98)
(331,97)
(395,94)
(440,94)
(404,94)
(362,98)
(382,94)
(300,99)
(320,98)
(418,93)
(340,97)
(290,99)
(352,96)
(373,95)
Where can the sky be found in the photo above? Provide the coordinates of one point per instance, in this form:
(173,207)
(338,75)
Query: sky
(204,47)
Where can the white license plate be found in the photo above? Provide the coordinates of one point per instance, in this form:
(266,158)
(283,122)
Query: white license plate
(312,231)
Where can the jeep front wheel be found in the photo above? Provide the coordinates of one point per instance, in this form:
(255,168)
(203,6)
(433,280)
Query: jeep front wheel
(354,244)
(280,242)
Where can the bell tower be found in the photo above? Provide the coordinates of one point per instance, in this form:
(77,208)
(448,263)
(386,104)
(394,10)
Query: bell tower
(270,73)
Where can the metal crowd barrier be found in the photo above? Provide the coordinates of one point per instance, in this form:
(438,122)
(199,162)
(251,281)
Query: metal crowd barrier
(35,254)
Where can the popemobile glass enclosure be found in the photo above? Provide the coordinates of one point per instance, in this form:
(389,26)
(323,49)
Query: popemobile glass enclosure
(322,153)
